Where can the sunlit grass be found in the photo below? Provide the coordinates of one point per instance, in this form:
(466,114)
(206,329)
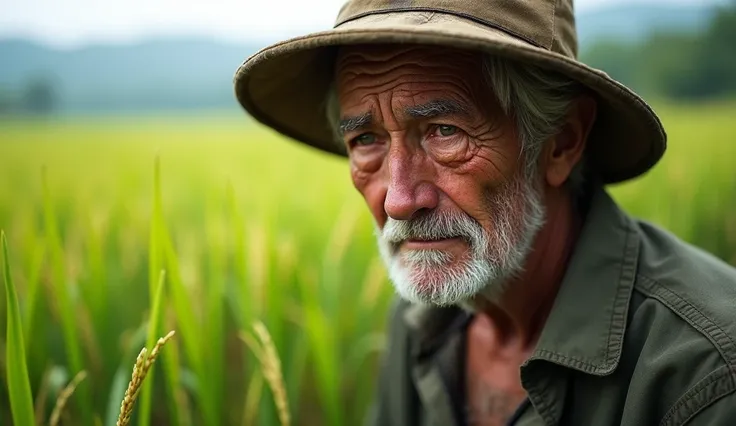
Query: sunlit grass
(19,388)
(250,229)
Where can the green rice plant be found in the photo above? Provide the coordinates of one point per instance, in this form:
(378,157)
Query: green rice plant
(163,251)
(19,387)
(249,228)
(324,349)
(33,288)
(153,326)
(65,308)
(156,262)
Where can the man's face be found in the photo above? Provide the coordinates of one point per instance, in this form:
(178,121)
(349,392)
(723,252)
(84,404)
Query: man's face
(440,167)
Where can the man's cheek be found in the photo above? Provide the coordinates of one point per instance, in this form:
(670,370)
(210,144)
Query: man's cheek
(374,195)
(360,179)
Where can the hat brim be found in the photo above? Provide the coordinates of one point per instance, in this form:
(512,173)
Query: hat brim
(284,86)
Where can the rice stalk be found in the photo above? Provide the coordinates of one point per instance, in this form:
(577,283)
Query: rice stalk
(252,397)
(153,326)
(64,396)
(142,365)
(265,351)
(39,406)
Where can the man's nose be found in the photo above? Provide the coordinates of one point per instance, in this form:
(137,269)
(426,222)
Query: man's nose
(410,189)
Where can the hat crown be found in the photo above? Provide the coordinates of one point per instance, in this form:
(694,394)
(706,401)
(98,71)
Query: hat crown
(549,24)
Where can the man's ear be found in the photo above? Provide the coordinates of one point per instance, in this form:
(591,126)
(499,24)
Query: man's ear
(566,149)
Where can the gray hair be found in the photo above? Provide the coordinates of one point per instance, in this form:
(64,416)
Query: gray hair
(538,100)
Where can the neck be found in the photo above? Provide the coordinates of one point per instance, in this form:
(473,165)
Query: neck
(517,317)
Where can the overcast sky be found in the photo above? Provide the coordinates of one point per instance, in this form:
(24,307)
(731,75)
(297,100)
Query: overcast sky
(69,23)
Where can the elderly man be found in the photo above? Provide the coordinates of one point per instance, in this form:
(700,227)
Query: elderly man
(482,149)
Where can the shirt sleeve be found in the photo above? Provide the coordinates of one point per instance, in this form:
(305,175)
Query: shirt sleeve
(721,413)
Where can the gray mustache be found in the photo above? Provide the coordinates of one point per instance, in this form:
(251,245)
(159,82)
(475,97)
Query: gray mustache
(433,226)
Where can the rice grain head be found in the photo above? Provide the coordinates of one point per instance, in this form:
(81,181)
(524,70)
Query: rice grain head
(142,365)
(64,396)
(265,351)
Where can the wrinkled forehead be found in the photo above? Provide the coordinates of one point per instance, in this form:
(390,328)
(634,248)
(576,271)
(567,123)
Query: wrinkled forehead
(427,76)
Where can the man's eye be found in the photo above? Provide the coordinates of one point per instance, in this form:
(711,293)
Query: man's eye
(365,139)
(446,130)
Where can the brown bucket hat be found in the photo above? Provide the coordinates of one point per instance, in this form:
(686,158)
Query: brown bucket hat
(284,86)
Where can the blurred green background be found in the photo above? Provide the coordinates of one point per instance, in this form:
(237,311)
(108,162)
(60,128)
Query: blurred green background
(122,158)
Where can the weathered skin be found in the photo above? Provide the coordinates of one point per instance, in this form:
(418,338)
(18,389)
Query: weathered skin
(404,165)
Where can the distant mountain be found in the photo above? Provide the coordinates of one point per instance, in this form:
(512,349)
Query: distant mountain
(154,75)
(174,74)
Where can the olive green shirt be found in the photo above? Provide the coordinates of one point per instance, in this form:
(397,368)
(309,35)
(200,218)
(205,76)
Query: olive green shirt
(642,332)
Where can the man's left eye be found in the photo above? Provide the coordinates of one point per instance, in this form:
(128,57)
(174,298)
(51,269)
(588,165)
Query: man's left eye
(446,130)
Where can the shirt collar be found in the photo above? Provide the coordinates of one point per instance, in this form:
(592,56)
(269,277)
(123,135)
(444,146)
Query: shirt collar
(585,328)
(586,325)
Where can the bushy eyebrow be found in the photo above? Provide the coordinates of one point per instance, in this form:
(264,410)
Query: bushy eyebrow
(354,123)
(432,109)
(436,108)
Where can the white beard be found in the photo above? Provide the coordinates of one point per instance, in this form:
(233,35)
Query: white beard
(436,277)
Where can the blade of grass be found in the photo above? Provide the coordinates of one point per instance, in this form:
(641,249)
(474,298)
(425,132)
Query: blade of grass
(245,292)
(244,313)
(286,317)
(275,288)
(153,326)
(163,251)
(323,309)
(155,248)
(190,335)
(65,307)
(156,264)
(36,313)
(323,348)
(256,290)
(213,353)
(176,395)
(32,291)
(19,387)
(96,292)
(297,364)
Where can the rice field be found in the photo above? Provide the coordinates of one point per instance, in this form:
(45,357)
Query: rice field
(258,254)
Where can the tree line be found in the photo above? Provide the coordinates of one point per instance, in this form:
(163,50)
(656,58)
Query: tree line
(674,65)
